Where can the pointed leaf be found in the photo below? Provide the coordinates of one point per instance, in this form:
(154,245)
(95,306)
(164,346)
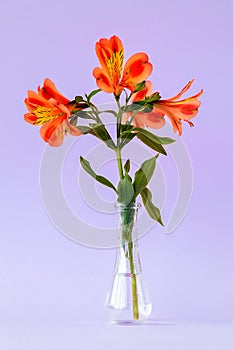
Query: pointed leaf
(152,210)
(84,129)
(103,180)
(101,132)
(93,93)
(83,114)
(127,166)
(157,139)
(152,144)
(125,191)
(143,175)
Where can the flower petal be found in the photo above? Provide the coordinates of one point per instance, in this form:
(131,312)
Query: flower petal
(49,90)
(103,81)
(34,99)
(137,69)
(70,129)
(187,87)
(53,131)
(111,55)
(154,119)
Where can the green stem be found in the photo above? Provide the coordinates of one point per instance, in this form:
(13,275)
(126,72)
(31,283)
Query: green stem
(127,216)
(119,162)
(134,283)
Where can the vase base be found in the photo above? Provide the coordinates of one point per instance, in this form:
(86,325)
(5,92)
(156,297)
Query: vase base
(125,317)
(128,323)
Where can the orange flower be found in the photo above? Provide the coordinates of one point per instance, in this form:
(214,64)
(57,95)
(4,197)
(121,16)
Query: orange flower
(50,108)
(180,110)
(109,78)
(175,110)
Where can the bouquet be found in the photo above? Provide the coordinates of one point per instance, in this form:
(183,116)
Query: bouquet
(138,110)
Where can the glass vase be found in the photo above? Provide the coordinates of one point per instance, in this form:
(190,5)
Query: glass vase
(128,300)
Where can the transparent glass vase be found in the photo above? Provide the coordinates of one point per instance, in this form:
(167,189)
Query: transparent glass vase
(128,300)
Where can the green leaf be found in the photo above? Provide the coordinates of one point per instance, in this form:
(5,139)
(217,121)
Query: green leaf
(126,137)
(109,111)
(83,114)
(73,120)
(152,210)
(158,139)
(126,127)
(152,144)
(101,132)
(127,166)
(103,180)
(93,93)
(143,175)
(84,129)
(125,191)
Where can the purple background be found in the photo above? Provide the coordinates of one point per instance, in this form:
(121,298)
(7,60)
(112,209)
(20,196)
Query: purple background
(45,276)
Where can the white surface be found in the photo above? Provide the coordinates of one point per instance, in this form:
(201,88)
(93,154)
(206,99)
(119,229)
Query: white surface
(156,335)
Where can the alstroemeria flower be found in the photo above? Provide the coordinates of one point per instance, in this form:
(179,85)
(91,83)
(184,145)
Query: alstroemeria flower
(176,110)
(110,78)
(49,108)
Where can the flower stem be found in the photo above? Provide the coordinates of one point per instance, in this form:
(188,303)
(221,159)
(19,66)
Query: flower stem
(119,162)
(134,283)
(128,217)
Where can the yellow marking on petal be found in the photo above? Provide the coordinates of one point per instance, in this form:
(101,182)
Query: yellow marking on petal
(45,114)
(115,64)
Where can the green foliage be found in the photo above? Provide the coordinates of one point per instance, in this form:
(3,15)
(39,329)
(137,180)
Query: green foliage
(151,209)
(103,180)
(127,166)
(157,139)
(152,144)
(125,190)
(91,94)
(99,131)
(143,175)
(83,114)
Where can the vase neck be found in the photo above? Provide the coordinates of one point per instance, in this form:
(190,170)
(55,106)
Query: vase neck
(128,260)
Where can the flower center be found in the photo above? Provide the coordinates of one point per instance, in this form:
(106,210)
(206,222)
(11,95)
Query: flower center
(115,65)
(46,114)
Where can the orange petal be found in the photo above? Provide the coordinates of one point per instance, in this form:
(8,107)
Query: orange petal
(111,54)
(30,118)
(185,109)
(49,90)
(103,80)
(172,115)
(137,69)
(53,131)
(182,91)
(72,130)
(154,119)
(35,99)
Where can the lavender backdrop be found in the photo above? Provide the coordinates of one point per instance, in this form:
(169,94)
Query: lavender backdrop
(45,276)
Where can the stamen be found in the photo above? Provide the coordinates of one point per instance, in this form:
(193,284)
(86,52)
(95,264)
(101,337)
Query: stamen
(45,114)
